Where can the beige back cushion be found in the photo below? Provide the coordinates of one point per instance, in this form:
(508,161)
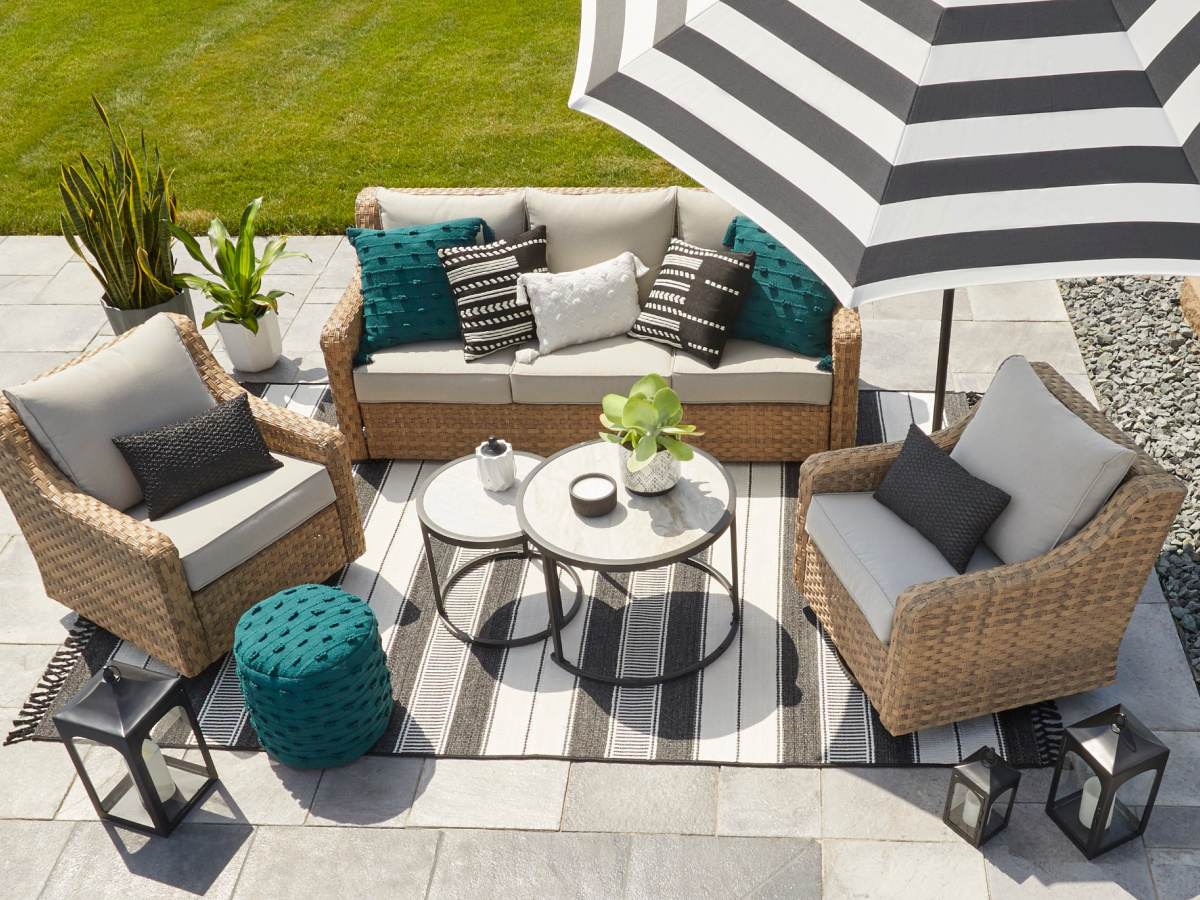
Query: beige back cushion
(144,381)
(585,229)
(505,213)
(703,218)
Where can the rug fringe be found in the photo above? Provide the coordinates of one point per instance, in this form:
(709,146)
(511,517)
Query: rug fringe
(61,666)
(1047,729)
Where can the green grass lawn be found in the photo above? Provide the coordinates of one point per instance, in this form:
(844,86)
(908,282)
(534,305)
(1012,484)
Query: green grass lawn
(301,101)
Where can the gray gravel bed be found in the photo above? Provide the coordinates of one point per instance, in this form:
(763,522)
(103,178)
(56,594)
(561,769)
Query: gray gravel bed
(1144,362)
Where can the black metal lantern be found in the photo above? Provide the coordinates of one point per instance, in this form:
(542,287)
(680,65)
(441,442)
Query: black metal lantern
(980,800)
(113,729)
(1107,777)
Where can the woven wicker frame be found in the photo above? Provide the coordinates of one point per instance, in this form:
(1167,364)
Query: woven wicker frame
(1005,637)
(783,431)
(127,577)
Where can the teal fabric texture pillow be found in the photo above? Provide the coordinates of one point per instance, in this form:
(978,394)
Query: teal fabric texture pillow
(787,305)
(406,295)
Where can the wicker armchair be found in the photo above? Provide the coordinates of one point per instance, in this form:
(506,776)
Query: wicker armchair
(1003,637)
(127,577)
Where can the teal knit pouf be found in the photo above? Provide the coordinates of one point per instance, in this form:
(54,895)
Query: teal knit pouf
(314,675)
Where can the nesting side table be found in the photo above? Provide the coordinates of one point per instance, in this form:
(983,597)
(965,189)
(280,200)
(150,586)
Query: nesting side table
(454,507)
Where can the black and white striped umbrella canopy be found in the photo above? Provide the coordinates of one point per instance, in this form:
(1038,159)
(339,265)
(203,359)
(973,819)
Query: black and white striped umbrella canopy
(906,145)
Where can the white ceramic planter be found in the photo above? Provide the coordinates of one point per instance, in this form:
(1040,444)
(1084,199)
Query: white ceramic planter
(250,352)
(658,477)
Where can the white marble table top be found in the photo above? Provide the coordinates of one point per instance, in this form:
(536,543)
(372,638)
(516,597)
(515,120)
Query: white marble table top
(454,504)
(641,531)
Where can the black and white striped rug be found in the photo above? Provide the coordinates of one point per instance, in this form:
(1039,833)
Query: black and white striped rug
(778,696)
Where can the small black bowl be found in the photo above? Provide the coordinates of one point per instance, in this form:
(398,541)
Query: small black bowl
(591,507)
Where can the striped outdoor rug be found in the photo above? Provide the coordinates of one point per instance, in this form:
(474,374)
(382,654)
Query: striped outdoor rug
(778,696)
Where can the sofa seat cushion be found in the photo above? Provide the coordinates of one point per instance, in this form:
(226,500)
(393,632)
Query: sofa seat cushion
(585,229)
(504,212)
(434,372)
(876,555)
(751,372)
(221,530)
(584,373)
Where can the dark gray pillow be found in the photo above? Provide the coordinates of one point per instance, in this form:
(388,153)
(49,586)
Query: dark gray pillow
(185,460)
(950,507)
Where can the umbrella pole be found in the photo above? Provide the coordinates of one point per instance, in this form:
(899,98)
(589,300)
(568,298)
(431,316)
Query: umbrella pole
(939,387)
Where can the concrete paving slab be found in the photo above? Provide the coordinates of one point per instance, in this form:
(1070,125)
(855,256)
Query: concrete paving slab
(41,327)
(21,288)
(884,804)
(1032,858)
(74,284)
(925,305)
(373,790)
(319,247)
(101,862)
(304,332)
(1027,301)
(31,849)
(257,790)
(502,793)
(341,268)
(365,863)
(1180,784)
(18,368)
(1176,873)
(297,285)
(769,802)
(1153,677)
(507,864)
(324,295)
(8,522)
(34,778)
(1173,826)
(21,665)
(902,870)
(899,354)
(27,615)
(983,346)
(34,255)
(639,798)
(718,867)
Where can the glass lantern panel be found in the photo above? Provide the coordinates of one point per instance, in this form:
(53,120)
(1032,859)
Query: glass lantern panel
(1129,807)
(1076,796)
(108,771)
(177,779)
(966,809)
(999,812)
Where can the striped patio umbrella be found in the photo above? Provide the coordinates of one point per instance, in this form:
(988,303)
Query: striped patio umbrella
(907,145)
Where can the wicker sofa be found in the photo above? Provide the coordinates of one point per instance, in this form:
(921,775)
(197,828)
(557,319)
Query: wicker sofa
(1005,636)
(126,574)
(404,412)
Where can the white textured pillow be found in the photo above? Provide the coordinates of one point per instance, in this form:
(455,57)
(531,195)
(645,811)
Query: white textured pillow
(587,305)
(1057,469)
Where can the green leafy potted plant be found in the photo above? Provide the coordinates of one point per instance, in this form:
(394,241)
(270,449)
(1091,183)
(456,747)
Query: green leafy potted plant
(247,319)
(122,220)
(645,426)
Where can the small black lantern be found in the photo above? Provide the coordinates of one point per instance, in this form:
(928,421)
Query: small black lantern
(1107,777)
(125,713)
(980,800)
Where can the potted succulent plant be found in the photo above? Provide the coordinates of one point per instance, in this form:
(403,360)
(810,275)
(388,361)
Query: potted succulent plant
(645,426)
(247,319)
(122,220)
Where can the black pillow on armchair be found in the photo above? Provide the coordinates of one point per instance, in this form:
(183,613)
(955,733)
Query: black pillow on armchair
(185,460)
(950,507)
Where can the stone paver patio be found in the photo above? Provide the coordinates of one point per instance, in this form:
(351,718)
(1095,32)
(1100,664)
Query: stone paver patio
(403,827)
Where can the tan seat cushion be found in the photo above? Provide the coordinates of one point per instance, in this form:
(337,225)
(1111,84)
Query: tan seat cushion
(505,213)
(585,229)
(434,372)
(703,218)
(221,530)
(751,372)
(876,555)
(584,373)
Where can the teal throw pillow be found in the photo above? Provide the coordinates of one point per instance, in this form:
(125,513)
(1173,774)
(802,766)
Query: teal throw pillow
(406,295)
(787,305)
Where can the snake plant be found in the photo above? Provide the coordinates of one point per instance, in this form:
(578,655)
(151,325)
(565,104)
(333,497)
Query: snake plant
(645,421)
(238,292)
(121,219)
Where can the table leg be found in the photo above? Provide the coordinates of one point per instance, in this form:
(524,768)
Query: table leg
(734,587)
(433,574)
(554,601)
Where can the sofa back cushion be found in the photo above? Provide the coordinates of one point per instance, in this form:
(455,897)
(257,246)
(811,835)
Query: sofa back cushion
(144,381)
(1057,469)
(585,229)
(504,213)
(703,218)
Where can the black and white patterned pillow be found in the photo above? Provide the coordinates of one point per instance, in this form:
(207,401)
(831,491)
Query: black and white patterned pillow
(696,297)
(484,281)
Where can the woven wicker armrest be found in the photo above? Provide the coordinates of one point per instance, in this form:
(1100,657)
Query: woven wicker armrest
(339,342)
(847,354)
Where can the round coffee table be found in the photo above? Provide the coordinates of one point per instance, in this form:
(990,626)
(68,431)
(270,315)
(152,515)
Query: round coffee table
(641,533)
(454,507)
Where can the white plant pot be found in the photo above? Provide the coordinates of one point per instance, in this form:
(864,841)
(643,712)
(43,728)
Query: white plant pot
(657,477)
(250,352)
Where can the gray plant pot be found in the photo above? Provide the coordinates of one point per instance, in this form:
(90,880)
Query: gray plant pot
(122,320)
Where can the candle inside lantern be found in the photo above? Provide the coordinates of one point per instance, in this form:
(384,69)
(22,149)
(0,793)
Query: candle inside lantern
(592,488)
(1087,803)
(157,767)
(970,810)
